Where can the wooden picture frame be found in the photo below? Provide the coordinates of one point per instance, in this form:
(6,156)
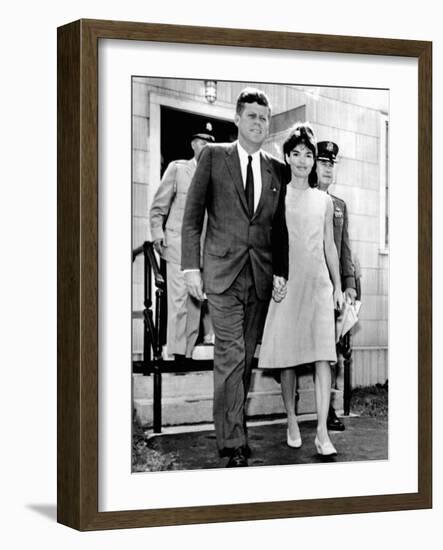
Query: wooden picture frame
(78,465)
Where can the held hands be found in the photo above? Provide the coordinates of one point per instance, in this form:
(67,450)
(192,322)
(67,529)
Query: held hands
(194,284)
(279,288)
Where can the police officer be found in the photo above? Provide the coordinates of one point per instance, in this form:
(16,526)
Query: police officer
(326,172)
(166,218)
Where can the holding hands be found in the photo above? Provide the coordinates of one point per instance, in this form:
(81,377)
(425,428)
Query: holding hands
(279,288)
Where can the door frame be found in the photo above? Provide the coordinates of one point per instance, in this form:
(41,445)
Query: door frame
(156,102)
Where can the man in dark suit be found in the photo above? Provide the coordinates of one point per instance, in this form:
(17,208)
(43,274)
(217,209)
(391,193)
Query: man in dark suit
(245,257)
(327,152)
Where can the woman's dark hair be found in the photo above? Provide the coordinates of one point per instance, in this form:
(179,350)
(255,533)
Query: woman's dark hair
(303,133)
(252,95)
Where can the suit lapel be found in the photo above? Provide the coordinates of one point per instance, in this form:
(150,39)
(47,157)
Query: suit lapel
(266,183)
(233,162)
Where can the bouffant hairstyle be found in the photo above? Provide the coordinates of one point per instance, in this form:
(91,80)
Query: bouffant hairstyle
(303,133)
(252,95)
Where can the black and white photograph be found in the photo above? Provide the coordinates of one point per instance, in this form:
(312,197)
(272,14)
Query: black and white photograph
(116,116)
(260,274)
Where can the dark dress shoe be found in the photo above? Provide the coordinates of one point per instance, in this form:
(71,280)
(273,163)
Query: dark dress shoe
(228,451)
(334,423)
(238,458)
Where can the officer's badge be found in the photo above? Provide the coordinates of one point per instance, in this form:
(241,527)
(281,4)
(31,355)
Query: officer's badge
(209,127)
(338,213)
(330,146)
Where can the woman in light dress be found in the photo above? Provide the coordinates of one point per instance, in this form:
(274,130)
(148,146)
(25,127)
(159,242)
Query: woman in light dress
(300,325)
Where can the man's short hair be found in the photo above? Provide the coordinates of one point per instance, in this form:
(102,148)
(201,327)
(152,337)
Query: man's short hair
(252,95)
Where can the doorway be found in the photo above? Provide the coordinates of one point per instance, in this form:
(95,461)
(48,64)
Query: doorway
(177,128)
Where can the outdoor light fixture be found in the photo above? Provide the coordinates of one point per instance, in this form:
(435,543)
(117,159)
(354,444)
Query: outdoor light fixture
(211,90)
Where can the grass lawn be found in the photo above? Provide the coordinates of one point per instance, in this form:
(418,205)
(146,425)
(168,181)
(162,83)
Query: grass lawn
(370,401)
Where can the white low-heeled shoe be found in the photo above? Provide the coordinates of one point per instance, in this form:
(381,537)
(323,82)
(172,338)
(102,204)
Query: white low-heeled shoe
(325,449)
(294,443)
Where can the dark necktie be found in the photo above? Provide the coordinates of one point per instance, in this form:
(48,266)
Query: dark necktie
(249,188)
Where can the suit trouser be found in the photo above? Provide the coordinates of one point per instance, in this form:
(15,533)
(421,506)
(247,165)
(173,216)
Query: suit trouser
(183,313)
(193,327)
(238,317)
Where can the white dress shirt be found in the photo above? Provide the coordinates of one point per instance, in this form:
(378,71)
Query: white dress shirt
(256,170)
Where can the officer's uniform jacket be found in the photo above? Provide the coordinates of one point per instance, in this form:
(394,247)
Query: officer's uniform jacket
(168,207)
(341,239)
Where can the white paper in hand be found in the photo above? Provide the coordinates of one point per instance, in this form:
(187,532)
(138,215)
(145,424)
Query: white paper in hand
(347,319)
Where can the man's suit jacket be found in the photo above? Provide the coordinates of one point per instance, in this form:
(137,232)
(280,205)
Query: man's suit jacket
(232,236)
(169,206)
(341,239)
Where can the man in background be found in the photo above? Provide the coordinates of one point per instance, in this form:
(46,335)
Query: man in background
(166,218)
(327,152)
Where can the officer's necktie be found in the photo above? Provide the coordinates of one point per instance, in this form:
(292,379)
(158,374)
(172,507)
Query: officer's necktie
(249,188)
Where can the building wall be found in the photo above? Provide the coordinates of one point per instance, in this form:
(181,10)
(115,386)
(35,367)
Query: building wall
(352,118)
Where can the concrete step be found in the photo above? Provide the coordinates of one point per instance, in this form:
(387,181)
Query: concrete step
(177,411)
(195,383)
(187,398)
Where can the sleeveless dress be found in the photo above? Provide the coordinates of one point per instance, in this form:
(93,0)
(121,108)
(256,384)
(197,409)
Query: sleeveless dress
(301,328)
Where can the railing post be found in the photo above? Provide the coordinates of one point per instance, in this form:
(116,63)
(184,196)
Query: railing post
(157,398)
(157,370)
(147,314)
(157,405)
(346,349)
(151,333)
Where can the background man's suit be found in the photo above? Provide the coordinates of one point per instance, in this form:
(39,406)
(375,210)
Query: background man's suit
(341,239)
(241,255)
(169,205)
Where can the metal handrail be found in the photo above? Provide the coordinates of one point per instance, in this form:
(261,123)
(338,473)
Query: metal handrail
(147,248)
(151,333)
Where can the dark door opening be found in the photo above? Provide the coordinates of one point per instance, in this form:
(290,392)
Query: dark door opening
(177,128)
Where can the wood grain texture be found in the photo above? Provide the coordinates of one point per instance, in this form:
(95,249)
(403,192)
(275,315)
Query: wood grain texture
(425,274)
(78,274)
(254,38)
(68,276)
